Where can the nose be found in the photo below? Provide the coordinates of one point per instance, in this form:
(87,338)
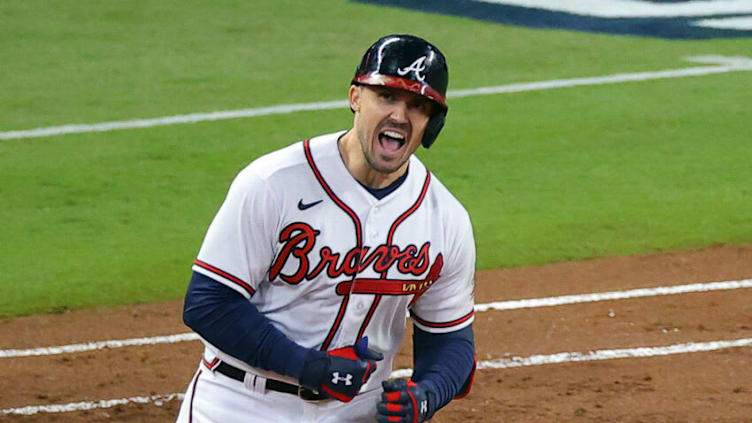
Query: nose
(399,111)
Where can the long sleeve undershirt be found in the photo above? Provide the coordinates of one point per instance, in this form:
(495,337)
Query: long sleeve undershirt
(443,363)
(230,322)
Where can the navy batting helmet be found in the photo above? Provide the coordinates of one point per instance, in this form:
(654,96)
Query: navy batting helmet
(410,63)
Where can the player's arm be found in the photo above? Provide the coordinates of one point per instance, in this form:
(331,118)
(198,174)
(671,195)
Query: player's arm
(231,262)
(443,344)
(229,321)
(444,367)
(444,363)
(226,319)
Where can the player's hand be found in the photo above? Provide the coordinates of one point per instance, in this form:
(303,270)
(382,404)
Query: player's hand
(349,369)
(403,401)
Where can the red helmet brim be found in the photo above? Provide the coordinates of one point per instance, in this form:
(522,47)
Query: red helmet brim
(416,87)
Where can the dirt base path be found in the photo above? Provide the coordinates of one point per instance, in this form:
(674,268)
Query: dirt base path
(712,386)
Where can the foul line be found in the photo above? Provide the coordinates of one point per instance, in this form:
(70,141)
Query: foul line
(599,355)
(641,352)
(158,400)
(615,295)
(719,64)
(502,305)
(91,346)
(503,363)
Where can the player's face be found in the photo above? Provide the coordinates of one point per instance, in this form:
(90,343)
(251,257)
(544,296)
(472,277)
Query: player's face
(389,123)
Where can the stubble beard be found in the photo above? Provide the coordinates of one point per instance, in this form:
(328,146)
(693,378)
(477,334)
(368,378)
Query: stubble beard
(384,167)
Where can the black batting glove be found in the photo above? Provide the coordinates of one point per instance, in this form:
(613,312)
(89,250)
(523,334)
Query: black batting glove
(342,372)
(403,401)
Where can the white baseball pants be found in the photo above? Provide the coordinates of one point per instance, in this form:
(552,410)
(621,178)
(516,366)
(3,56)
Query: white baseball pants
(215,398)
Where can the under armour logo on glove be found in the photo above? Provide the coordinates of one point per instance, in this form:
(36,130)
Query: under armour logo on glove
(347,379)
(403,401)
(356,362)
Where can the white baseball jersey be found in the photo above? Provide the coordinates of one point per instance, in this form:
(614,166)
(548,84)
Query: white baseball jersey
(327,263)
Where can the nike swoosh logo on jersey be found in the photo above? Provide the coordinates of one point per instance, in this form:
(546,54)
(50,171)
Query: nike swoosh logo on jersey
(303,206)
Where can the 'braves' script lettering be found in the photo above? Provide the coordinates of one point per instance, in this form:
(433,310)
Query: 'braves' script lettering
(298,239)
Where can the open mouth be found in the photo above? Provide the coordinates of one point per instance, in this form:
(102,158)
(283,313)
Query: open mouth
(391,140)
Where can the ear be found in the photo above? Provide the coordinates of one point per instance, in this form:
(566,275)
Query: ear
(355,95)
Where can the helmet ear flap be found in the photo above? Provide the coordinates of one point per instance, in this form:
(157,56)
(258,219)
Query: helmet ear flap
(433,127)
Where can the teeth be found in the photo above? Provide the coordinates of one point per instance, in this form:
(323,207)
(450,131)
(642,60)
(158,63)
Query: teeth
(395,135)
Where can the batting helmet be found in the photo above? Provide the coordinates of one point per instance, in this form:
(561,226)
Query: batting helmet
(410,63)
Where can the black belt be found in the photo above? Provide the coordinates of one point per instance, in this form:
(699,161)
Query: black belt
(271,384)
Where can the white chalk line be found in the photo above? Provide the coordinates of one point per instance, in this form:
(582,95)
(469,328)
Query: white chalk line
(158,400)
(497,306)
(502,363)
(615,295)
(719,64)
(91,346)
(641,352)
(599,355)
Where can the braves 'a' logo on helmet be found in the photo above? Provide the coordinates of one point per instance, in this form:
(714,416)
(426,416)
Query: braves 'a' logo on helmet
(417,66)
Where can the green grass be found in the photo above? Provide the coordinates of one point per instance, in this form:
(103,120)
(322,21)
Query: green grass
(117,217)
(625,169)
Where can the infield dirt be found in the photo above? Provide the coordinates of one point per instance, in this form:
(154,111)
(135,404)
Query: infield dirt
(695,387)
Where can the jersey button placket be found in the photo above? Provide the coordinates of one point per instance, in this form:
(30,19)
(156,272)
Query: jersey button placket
(373,231)
(361,303)
(357,307)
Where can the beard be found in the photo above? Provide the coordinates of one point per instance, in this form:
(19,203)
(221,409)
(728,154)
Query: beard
(375,162)
(381,166)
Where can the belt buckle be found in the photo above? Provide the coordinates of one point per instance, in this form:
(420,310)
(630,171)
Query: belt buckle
(307,394)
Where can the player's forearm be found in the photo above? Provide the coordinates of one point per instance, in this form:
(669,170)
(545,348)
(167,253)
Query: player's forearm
(443,363)
(230,322)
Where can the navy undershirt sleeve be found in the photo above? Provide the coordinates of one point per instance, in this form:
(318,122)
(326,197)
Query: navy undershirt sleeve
(227,320)
(443,363)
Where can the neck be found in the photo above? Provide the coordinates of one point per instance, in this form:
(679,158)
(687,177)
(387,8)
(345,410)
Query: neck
(355,161)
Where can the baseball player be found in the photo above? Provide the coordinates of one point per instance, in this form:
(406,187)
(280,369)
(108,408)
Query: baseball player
(321,251)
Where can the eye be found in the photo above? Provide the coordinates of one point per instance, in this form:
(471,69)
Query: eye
(385,94)
(422,106)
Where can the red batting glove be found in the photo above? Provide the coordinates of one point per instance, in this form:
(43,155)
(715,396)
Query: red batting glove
(349,369)
(403,401)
